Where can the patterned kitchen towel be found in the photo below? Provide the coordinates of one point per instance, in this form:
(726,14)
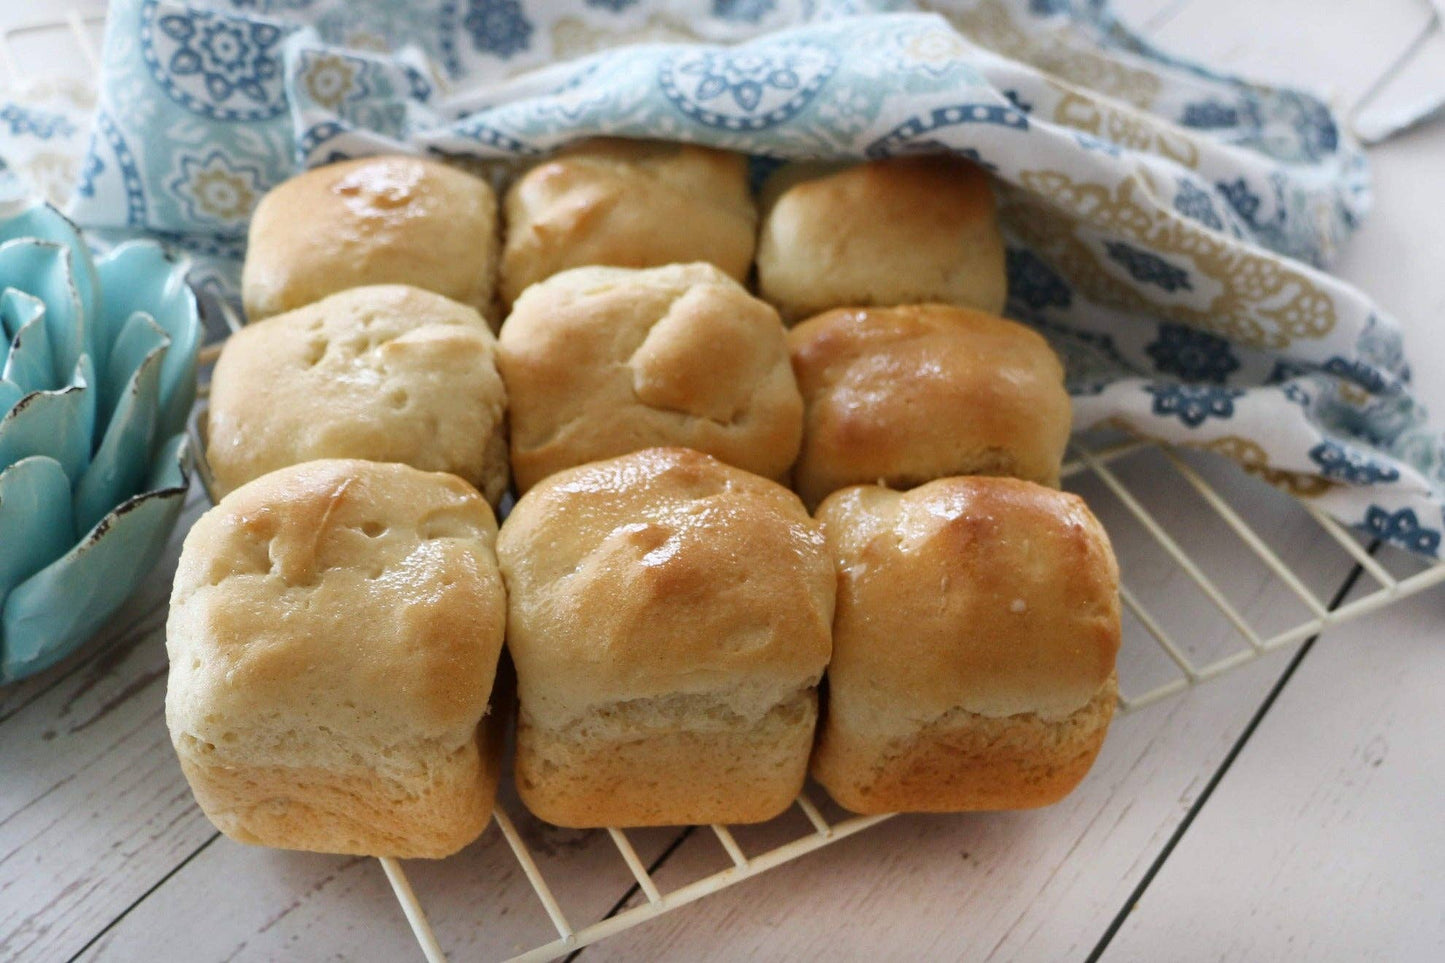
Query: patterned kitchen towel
(1166,224)
(42,138)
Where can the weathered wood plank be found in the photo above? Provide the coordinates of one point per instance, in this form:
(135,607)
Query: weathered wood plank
(1336,47)
(1324,840)
(1006,886)
(93,809)
(281,905)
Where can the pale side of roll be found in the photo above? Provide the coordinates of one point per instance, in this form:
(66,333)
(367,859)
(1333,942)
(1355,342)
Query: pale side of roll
(333,638)
(906,230)
(669,618)
(628,203)
(374,220)
(974,645)
(599,362)
(900,396)
(386,373)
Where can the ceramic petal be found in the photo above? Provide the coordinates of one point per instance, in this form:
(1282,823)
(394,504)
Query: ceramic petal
(45,268)
(119,463)
(17,309)
(58,424)
(138,339)
(45,223)
(65,602)
(35,519)
(31,364)
(97,373)
(141,276)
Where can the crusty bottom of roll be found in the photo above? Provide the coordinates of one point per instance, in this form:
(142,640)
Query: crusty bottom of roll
(627,765)
(964,762)
(432,813)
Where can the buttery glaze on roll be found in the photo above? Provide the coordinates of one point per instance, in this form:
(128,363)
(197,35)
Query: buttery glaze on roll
(375,220)
(628,203)
(900,396)
(385,373)
(900,231)
(599,362)
(333,639)
(669,619)
(973,647)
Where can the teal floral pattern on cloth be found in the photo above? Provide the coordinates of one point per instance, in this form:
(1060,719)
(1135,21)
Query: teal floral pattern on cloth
(1167,225)
(224,68)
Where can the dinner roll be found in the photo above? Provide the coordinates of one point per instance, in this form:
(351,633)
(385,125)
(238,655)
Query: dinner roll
(973,647)
(628,203)
(899,231)
(376,220)
(333,639)
(669,619)
(602,361)
(386,373)
(900,396)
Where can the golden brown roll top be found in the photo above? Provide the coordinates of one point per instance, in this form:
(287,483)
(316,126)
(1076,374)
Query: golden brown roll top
(900,396)
(669,618)
(599,362)
(375,220)
(974,645)
(660,572)
(906,230)
(333,638)
(628,203)
(385,373)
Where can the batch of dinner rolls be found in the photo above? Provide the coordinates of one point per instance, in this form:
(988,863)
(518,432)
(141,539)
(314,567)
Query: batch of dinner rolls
(786,504)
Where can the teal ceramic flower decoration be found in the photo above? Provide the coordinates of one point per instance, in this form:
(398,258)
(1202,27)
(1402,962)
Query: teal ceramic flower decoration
(97,375)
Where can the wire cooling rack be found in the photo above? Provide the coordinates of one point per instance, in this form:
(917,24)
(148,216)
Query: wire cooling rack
(1108,469)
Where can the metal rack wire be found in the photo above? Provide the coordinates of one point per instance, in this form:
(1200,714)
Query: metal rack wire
(1093,462)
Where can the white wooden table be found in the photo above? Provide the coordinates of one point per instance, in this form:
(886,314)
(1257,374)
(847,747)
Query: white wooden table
(1290,810)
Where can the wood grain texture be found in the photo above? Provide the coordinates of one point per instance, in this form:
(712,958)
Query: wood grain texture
(1334,47)
(1324,840)
(95,816)
(283,905)
(93,808)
